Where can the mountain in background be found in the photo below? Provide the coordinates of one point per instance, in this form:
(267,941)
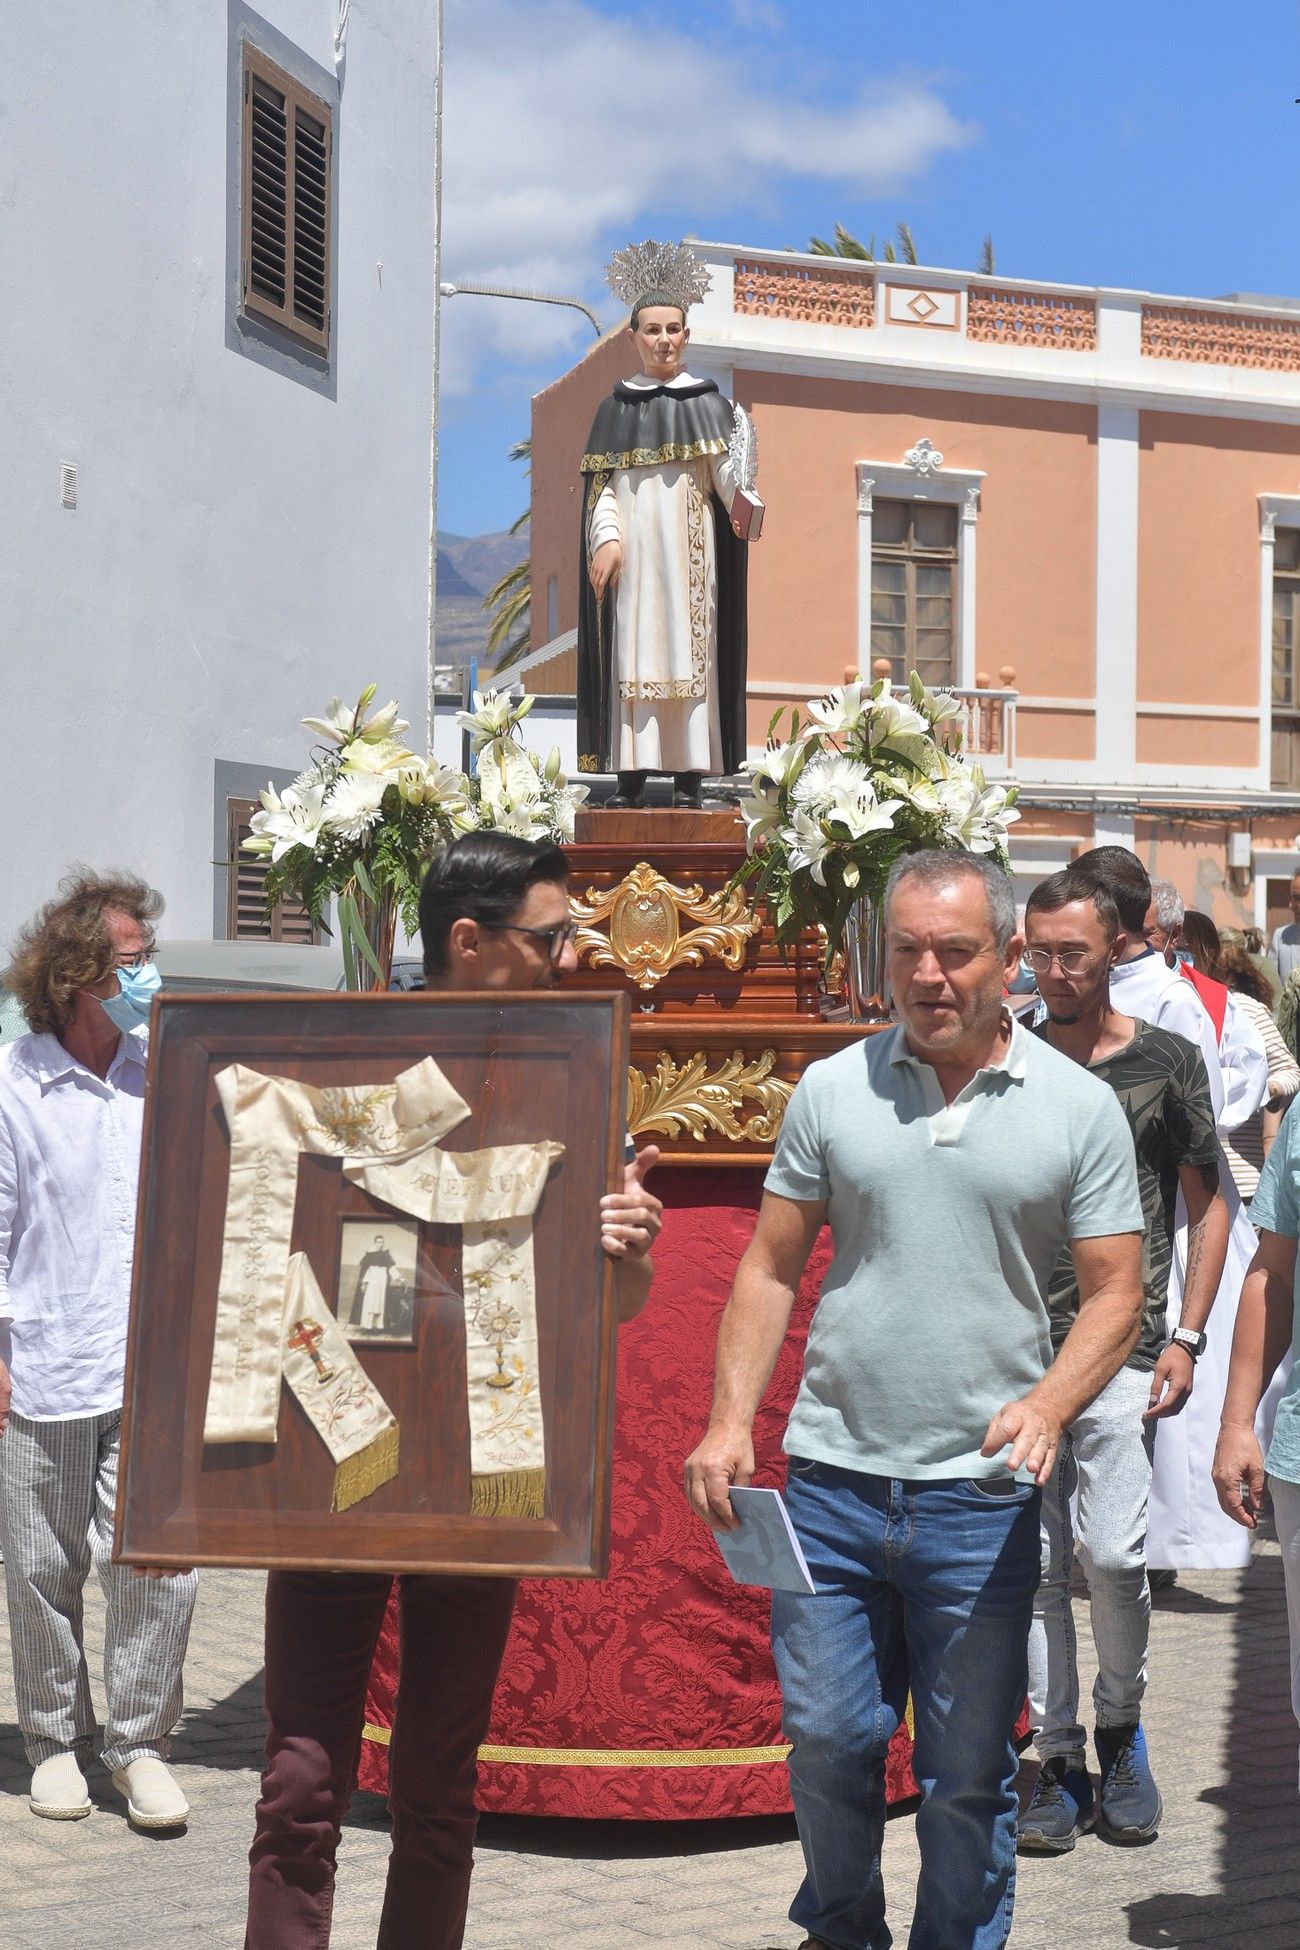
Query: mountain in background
(468,565)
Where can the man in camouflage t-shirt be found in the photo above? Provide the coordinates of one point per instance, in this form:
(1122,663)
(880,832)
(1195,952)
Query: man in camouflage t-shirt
(1072,941)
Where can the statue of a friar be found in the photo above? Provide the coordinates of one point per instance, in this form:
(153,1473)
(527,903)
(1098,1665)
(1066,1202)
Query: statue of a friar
(668,502)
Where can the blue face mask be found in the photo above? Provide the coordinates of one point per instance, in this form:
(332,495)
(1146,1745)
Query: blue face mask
(138,986)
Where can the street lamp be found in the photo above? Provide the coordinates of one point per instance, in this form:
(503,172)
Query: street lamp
(529,297)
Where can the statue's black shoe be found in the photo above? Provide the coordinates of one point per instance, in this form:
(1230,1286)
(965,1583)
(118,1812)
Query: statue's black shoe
(686,790)
(630,795)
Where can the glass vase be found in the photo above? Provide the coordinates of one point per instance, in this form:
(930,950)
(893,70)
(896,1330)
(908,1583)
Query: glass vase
(866,981)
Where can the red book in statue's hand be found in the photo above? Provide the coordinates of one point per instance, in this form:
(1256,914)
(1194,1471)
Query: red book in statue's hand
(747,515)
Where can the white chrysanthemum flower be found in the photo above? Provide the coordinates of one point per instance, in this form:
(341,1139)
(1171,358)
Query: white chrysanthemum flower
(352,808)
(828,777)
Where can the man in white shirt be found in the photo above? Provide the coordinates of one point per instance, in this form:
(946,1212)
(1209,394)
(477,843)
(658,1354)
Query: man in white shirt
(71,1116)
(1284,948)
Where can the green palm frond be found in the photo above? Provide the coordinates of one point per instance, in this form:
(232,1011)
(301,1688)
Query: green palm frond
(907,244)
(845,245)
(987,264)
(510,597)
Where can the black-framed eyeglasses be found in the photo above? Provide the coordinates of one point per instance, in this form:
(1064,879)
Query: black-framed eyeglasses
(557,939)
(1075,961)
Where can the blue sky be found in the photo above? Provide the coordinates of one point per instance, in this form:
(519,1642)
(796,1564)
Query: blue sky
(1143,144)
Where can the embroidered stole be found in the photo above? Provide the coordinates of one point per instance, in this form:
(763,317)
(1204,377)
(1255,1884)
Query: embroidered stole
(272,1320)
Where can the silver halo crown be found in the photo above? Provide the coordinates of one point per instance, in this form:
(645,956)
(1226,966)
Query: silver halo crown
(657,267)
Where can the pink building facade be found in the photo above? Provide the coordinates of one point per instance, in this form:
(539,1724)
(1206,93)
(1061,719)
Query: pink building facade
(1079,506)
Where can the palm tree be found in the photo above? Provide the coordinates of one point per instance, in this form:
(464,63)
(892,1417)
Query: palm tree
(847,245)
(904,252)
(511,596)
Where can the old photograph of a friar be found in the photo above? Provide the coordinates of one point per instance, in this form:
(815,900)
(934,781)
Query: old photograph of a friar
(667,508)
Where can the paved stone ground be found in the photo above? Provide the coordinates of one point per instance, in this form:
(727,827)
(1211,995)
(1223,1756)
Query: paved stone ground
(1225,1870)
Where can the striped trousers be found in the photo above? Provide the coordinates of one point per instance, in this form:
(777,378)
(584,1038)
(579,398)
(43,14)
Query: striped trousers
(58,1488)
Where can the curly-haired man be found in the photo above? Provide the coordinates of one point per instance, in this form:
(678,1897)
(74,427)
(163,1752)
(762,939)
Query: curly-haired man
(71,1113)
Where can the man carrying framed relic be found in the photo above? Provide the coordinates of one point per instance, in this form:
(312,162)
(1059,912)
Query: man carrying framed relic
(457,1459)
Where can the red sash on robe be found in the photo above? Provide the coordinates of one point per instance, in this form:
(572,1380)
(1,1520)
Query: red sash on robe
(1213,994)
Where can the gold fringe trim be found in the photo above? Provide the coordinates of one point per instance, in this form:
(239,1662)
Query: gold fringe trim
(361,1475)
(509,1493)
(651,456)
(613,1757)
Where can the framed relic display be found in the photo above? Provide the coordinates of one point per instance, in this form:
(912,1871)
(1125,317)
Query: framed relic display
(372,1326)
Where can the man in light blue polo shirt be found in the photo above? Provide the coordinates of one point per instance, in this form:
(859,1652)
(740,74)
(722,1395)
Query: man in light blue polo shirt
(953,1157)
(1267,1330)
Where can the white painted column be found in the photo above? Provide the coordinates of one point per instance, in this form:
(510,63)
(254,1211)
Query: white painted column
(964,662)
(1112,828)
(866,482)
(1117,572)
(1267,538)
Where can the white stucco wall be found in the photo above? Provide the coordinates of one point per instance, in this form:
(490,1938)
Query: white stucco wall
(244,545)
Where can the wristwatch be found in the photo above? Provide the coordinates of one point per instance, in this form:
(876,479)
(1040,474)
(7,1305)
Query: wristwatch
(1189,1341)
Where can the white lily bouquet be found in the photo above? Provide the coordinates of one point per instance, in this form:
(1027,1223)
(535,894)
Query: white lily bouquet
(871,773)
(359,825)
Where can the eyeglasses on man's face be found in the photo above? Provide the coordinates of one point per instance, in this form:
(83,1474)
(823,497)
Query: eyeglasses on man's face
(557,939)
(138,958)
(1074,961)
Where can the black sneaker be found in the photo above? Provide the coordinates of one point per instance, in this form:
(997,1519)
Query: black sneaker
(1060,1810)
(1130,1800)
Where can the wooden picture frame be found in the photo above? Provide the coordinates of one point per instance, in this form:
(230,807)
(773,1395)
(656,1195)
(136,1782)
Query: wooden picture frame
(531,1067)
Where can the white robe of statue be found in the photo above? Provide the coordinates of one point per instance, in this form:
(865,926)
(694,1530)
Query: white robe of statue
(664,688)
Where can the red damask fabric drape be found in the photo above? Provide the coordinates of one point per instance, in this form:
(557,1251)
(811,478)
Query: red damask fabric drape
(651,1695)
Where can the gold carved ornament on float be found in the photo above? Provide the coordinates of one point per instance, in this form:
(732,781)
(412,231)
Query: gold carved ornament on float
(688,1100)
(644,936)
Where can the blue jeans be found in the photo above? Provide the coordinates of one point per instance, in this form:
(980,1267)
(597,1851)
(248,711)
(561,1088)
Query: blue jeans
(932,1581)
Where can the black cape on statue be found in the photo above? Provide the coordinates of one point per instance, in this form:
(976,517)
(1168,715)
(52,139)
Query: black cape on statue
(652,426)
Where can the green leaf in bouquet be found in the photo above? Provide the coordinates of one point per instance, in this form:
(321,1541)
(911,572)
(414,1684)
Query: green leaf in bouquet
(355,933)
(364,882)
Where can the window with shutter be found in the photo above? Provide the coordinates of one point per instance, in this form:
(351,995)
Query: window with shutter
(913,588)
(246,915)
(285,241)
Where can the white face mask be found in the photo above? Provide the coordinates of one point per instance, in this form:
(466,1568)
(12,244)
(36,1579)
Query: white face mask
(137,987)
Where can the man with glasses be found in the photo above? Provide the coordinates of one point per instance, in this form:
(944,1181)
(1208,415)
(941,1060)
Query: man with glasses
(71,1112)
(1284,948)
(494,915)
(1073,940)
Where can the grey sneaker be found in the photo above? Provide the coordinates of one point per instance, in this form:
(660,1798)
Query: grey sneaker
(1130,1800)
(1061,1809)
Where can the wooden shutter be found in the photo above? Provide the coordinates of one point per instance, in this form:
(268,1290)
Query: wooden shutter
(246,915)
(285,243)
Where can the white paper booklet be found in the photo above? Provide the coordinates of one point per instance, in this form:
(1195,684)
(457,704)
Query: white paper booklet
(765,1549)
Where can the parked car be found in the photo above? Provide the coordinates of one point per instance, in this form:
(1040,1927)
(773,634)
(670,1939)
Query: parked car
(238,967)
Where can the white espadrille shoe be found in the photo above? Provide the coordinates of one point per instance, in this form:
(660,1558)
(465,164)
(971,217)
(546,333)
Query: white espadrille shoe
(59,1789)
(153,1796)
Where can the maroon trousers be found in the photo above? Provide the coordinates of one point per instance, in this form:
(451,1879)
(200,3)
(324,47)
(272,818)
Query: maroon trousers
(321,1629)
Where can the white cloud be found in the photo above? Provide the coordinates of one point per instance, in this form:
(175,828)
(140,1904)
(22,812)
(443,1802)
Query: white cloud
(567,129)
